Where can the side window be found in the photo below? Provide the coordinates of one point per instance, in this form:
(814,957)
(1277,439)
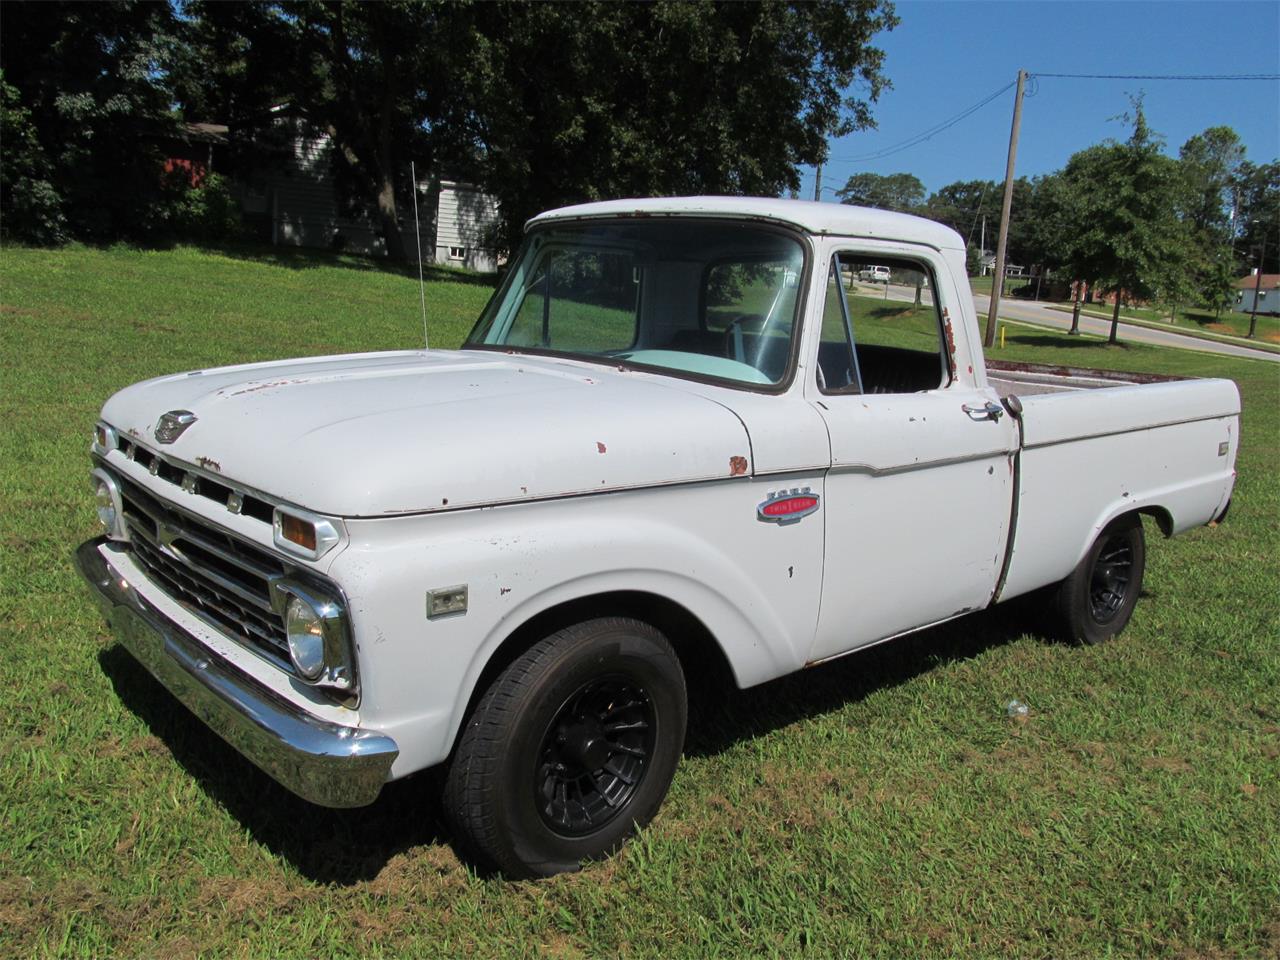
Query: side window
(578,300)
(881,328)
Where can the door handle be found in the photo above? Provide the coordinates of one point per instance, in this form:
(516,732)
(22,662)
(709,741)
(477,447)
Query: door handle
(988,411)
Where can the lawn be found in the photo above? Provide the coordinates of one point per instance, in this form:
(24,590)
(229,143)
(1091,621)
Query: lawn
(883,805)
(1197,322)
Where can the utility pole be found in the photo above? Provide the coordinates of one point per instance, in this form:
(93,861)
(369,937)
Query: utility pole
(1257,284)
(996,292)
(817,184)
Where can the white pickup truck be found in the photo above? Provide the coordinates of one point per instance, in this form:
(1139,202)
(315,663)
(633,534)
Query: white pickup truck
(676,431)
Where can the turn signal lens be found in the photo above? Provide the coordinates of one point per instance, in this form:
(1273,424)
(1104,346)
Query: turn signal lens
(305,534)
(299,531)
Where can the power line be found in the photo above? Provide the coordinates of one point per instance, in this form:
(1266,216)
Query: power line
(927,134)
(933,131)
(1160,76)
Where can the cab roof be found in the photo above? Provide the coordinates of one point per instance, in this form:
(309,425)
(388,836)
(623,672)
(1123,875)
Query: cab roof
(836,219)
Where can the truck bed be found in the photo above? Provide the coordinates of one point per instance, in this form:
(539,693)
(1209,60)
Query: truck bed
(1096,444)
(1027,379)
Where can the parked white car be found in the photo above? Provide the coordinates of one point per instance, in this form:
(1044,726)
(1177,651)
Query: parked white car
(673,434)
(874,274)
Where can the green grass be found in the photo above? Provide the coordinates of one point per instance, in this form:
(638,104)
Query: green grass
(879,806)
(1230,327)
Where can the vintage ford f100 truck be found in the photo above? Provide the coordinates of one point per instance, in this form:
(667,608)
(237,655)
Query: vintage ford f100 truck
(681,428)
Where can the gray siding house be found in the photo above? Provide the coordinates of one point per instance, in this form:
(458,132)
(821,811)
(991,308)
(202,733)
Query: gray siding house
(295,203)
(1268,292)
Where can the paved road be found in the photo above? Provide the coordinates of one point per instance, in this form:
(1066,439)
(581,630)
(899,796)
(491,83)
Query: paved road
(1044,316)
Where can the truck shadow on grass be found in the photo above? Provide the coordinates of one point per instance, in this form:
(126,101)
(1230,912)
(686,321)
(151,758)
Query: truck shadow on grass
(348,847)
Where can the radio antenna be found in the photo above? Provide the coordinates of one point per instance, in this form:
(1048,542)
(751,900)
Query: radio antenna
(417,235)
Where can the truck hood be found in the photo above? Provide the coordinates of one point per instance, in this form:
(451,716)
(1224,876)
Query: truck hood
(386,433)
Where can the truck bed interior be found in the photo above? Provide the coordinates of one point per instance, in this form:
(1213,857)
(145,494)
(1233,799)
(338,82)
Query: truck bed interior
(1026,379)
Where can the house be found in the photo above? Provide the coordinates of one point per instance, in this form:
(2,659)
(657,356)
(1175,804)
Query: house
(1268,290)
(193,151)
(292,200)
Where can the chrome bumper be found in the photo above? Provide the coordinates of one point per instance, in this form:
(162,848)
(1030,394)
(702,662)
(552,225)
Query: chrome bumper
(326,763)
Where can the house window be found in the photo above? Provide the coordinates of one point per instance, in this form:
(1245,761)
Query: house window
(457,253)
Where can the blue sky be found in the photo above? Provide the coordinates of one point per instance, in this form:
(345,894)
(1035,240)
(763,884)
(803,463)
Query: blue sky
(947,55)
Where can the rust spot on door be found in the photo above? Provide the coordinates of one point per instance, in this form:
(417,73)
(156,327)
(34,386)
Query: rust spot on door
(737,466)
(601,448)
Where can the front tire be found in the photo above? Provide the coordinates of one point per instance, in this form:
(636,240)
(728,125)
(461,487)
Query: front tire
(570,749)
(1095,602)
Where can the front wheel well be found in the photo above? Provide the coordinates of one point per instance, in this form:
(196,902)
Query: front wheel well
(701,656)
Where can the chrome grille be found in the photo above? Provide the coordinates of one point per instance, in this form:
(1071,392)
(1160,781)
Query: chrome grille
(222,578)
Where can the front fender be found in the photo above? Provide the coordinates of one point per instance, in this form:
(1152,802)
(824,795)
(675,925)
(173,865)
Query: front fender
(755,586)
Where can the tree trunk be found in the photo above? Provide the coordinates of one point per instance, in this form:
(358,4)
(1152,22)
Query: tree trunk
(387,213)
(388,218)
(1075,311)
(1115,321)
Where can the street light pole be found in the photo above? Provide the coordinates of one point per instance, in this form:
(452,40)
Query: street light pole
(1257,284)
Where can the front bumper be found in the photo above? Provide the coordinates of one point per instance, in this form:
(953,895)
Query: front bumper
(326,763)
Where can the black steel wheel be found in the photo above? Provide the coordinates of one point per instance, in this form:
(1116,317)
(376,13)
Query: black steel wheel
(1110,578)
(594,755)
(569,750)
(1096,601)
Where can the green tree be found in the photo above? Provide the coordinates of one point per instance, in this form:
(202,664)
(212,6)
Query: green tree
(1210,163)
(87,100)
(902,192)
(1257,190)
(577,102)
(1129,238)
(963,205)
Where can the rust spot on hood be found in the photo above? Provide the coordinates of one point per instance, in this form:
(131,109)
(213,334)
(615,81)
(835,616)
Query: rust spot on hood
(737,466)
(209,464)
(601,448)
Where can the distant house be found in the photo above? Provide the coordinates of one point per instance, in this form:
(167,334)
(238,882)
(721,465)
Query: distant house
(293,200)
(987,264)
(193,151)
(1268,290)
(464,217)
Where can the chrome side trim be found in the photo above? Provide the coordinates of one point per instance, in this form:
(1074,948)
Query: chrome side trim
(326,763)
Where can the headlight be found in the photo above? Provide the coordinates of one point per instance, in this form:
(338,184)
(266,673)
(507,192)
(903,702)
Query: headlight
(305,629)
(315,626)
(107,504)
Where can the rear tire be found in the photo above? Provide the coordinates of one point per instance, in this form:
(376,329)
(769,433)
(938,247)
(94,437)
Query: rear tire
(1095,602)
(571,748)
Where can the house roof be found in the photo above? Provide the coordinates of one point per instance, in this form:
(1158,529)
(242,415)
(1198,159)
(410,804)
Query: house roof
(832,218)
(1269,281)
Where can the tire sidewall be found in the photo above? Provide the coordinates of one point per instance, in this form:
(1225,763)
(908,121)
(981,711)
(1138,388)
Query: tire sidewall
(612,650)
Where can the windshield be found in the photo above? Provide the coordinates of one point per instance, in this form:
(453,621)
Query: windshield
(703,298)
